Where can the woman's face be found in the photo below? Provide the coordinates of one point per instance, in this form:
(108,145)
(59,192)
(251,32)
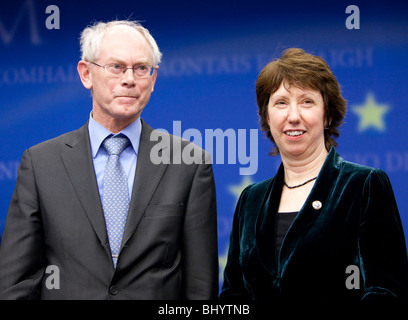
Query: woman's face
(296,120)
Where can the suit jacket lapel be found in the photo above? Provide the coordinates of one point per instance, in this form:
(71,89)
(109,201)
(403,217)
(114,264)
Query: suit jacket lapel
(79,166)
(147,178)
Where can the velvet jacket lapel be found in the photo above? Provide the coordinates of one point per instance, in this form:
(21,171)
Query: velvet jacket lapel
(304,221)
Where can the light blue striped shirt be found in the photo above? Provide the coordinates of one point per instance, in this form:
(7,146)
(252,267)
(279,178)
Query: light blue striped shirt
(128,158)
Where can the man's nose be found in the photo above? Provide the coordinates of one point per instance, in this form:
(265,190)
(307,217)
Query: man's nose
(128,78)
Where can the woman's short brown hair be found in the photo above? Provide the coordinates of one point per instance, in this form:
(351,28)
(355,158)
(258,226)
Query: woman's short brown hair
(303,70)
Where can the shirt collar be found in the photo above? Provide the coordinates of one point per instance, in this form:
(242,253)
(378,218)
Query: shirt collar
(98,133)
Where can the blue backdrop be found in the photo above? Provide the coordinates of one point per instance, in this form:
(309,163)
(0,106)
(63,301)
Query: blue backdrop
(213,52)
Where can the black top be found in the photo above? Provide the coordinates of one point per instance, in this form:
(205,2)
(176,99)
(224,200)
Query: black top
(284,220)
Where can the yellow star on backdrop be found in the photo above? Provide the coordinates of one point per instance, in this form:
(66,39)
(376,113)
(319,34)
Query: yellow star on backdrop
(222,261)
(371,114)
(236,190)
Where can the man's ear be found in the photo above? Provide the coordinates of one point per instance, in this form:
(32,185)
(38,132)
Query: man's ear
(154,78)
(84,74)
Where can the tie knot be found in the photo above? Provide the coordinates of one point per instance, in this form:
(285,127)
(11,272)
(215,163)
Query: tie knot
(116,144)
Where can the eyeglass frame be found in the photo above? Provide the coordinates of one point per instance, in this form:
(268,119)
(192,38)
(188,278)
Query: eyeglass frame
(124,69)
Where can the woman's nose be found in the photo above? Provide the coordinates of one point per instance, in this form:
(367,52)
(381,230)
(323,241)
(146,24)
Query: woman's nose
(293,113)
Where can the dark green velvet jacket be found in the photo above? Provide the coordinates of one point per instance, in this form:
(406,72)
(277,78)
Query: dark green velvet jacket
(358,224)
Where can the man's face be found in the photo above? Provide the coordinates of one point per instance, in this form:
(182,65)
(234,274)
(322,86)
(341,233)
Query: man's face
(118,100)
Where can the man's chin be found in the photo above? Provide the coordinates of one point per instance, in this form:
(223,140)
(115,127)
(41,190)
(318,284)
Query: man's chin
(126,100)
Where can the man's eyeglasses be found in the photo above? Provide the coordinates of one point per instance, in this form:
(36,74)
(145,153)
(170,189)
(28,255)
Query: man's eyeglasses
(116,69)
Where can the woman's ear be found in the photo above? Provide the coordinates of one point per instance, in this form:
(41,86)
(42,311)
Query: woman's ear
(327,122)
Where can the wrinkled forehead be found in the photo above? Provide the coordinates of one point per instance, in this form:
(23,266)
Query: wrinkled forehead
(125,42)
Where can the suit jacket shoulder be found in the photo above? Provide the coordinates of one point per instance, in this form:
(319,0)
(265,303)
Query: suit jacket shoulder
(58,143)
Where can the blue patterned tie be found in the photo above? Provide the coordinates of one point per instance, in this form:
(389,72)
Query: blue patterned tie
(115,193)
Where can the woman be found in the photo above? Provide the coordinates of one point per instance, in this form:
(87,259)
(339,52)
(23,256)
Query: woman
(322,229)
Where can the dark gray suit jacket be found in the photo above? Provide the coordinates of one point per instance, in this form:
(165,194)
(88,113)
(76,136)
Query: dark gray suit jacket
(55,218)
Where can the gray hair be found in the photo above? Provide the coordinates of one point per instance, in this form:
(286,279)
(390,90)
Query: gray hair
(91,39)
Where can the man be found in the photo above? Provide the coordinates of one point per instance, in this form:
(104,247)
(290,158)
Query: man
(140,231)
